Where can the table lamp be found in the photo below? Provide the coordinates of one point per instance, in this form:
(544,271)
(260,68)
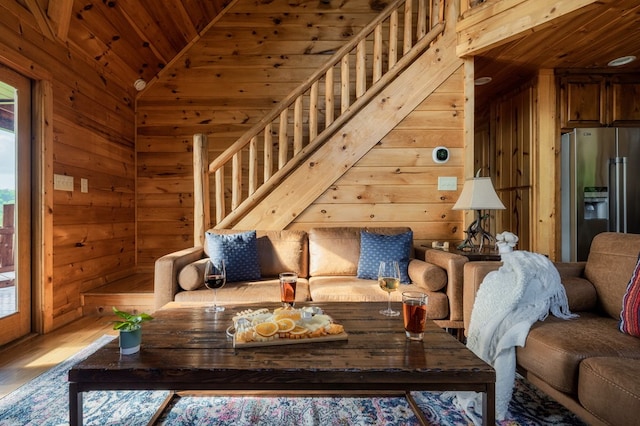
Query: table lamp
(478,194)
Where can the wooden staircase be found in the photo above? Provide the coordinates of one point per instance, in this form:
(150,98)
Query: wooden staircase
(309,154)
(133,293)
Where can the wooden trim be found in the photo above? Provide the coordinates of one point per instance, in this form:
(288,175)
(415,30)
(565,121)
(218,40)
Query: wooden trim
(546,167)
(60,13)
(469,129)
(43,206)
(44,25)
(496,23)
(201,213)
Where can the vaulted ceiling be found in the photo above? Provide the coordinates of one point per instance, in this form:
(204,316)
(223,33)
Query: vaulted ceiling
(130,39)
(137,39)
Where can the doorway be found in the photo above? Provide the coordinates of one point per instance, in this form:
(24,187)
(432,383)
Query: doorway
(15,205)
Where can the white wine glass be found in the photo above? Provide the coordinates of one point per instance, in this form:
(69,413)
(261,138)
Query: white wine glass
(215,276)
(389,280)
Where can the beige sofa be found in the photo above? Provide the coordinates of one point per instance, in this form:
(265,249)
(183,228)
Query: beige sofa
(326,260)
(586,364)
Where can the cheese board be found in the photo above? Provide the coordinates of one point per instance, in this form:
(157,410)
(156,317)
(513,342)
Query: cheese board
(284,326)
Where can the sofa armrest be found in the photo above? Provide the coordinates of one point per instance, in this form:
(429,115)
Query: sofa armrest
(453,264)
(167,268)
(570,269)
(474,273)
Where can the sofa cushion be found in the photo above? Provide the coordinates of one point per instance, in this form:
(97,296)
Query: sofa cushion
(554,347)
(611,382)
(352,289)
(581,294)
(191,277)
(427,275)
(239,252)
(334,251)
(612,259)
(630,315)
(281,251)
(243,292)
(376,248)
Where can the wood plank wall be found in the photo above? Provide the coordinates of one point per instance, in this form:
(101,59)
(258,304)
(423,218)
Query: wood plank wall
(93,138)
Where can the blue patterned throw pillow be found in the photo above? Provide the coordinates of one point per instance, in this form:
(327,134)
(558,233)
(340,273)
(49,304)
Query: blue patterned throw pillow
(239,252)
(375,248)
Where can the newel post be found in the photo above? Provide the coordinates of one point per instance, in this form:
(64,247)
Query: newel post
(201,215)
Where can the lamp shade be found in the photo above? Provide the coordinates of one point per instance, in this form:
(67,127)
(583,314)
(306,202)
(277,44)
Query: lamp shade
(478,194)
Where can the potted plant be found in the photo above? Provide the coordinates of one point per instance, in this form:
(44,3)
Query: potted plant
(130,328)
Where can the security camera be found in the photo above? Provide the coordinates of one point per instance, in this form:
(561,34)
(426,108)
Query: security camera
(440,154)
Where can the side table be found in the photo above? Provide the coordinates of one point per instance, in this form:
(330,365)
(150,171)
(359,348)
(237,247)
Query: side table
(473,256)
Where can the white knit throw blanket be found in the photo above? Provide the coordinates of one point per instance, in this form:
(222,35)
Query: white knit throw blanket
(508,302)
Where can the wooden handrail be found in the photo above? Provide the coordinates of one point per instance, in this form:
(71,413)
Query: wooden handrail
(369,42)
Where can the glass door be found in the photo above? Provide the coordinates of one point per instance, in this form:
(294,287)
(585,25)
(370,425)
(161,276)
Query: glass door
(15,205)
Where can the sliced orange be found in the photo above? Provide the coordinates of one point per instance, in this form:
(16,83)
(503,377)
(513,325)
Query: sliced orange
(266,329)
(297,330)
(285,324)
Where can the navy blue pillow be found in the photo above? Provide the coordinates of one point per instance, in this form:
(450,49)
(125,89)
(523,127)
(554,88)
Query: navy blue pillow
(239,252)
(376,248)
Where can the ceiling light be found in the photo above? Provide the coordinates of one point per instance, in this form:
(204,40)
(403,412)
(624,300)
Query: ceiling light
(482,80)
(140,84)
(624,60)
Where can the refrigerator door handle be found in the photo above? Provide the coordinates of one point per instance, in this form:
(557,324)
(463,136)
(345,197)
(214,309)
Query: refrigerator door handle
(618,194)
(623,192)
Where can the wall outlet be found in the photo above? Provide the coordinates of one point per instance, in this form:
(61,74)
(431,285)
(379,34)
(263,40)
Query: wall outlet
(447,183)
(84,185)
(63,182)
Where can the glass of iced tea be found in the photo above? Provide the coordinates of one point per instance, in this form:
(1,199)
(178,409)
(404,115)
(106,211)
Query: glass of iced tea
(288,281)
(414,312)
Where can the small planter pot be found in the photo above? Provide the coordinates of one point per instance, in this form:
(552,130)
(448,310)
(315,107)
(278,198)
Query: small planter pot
(130,341)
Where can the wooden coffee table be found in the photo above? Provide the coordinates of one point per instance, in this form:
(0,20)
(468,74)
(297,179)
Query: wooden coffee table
(185,348)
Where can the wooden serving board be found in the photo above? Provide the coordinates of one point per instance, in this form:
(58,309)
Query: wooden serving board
(281,342)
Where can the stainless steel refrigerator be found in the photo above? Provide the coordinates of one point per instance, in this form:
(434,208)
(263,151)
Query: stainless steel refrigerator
(600,186)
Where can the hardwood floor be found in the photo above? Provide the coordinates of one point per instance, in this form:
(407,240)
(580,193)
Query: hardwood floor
(27,358)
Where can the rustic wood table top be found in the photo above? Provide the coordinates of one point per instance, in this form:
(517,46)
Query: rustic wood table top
(186,348)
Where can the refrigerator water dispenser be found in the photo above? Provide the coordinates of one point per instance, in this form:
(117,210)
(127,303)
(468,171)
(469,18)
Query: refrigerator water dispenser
(596,203)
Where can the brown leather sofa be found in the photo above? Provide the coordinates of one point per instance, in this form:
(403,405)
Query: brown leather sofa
(326,261)
(586,363)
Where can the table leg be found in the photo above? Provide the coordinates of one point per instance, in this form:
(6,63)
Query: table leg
(416,409)
(489,405)
(75,405)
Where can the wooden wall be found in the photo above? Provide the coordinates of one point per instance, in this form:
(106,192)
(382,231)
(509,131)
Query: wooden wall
(92,137)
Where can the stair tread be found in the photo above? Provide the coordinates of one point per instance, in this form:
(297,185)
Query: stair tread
(141,283)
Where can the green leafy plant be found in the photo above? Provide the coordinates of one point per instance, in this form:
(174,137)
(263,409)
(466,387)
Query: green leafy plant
(130,322)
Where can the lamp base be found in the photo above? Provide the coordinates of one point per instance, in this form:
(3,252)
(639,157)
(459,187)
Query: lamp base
(476,232)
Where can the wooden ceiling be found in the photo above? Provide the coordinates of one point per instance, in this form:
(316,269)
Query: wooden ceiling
(137,39)
(130,39)
(584,40)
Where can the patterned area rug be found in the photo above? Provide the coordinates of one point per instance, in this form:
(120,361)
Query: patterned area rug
(44,401)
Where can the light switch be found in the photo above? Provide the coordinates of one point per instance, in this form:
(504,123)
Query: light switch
(84,185)
(63,182)
(447,183)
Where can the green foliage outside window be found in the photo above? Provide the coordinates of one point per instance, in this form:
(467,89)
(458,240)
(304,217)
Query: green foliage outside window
(7,196)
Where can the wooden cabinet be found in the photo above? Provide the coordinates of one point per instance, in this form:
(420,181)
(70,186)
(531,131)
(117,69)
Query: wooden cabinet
(598,100)
(625,100)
